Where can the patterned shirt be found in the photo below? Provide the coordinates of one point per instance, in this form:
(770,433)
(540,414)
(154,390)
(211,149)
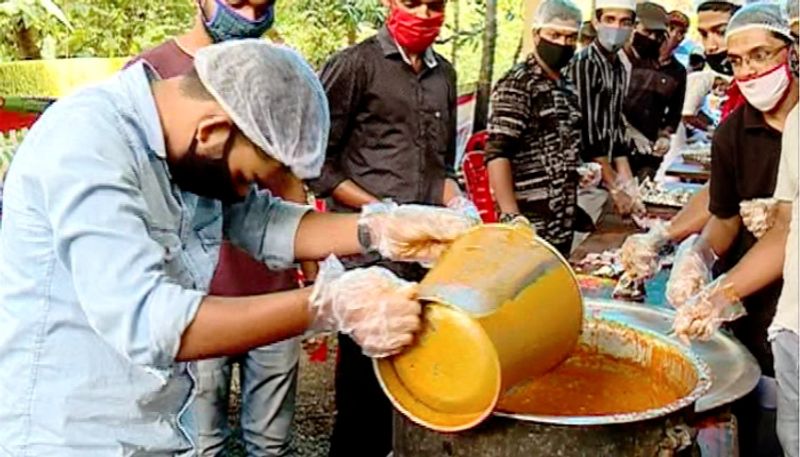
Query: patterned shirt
(601,85)
(535,123)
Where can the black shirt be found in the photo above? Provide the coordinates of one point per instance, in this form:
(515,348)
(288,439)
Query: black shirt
(655,95)
(745,155)
(393,131)
(535,123)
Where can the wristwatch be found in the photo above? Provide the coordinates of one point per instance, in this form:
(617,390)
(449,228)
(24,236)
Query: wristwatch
(365,238)
(507,218)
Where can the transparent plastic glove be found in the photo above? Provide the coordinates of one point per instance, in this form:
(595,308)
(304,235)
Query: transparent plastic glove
(691,270)
(412,233)
(661,146)
(704,313)
(639,254)
(640,142)
(372,305)
(590,175)
(758,215)
(465,206)
(627,198)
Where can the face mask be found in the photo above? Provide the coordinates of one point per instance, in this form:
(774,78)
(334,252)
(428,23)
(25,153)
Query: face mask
(646,47)
(719,62)
(613,38)
(414,34)
(210,178)
(555,56)
(767,90)
(227,24)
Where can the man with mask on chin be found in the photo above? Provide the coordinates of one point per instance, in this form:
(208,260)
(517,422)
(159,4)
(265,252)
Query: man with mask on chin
(393,136)
(746,154)
(533,148)
(268,374)
(601,82)
(652,94)
(114,212)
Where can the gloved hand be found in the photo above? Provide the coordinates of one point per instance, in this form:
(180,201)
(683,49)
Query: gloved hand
(639,254)
(703,314)
(691,270)
(591,174)
(372,305)
(661,146)
(627,198)
(465,206)
(758,215)
(412,233)
(639,141)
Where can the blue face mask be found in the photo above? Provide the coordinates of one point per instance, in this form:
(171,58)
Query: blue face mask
(227,24)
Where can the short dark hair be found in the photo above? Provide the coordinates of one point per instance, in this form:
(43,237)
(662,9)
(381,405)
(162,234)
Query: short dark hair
(719,7)
(192,87)
(782,37)
(599,13)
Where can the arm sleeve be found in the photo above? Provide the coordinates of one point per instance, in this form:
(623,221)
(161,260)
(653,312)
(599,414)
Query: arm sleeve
(786,187)
(698,86)
(342,78)
(724,197)
(580,72)
(98,214)
(510,114)
(265,227)
(675,106)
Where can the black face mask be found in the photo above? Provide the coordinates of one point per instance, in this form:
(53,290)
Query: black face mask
(210,178)
(719,62)
(555,56)
(646,47)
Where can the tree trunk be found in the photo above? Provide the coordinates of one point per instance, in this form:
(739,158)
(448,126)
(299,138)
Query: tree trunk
(518,52)
(456,31)
(352,35)
(487,66)
(26,39)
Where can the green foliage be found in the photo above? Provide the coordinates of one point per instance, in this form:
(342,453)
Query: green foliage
(317,28)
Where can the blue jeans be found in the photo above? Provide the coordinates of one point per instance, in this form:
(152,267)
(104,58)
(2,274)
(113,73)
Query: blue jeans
(785,350)
(268,385)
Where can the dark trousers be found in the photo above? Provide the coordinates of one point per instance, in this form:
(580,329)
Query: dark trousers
(363,425)
(756,428)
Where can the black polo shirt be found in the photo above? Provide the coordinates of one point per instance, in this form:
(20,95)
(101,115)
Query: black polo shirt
(393,131)
(745,155)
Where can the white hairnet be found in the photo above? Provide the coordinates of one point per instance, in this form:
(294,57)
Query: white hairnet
(762,15)
(562,10)
(273,97)
(790,9)
(615,4)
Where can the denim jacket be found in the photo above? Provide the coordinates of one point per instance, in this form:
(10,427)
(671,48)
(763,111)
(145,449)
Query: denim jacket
(103,264)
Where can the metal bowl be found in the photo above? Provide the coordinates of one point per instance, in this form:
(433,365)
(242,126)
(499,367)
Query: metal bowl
(647,349)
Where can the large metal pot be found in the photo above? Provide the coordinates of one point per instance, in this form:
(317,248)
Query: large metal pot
(503,306)
(660,431)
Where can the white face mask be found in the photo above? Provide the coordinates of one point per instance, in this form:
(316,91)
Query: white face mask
(765,91)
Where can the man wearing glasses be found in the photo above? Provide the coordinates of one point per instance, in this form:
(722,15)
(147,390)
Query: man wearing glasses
(392,102)
(745,159)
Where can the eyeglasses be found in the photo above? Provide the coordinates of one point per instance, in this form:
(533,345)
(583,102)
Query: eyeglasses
(758,57)
(433,5)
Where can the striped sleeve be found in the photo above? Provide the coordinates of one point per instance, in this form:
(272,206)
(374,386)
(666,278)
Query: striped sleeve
(581,73)
(511,111)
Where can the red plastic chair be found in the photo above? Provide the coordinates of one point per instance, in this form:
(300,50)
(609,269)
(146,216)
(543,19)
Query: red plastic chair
(476,177)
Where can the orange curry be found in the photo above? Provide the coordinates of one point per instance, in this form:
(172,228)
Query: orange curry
(590,384)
